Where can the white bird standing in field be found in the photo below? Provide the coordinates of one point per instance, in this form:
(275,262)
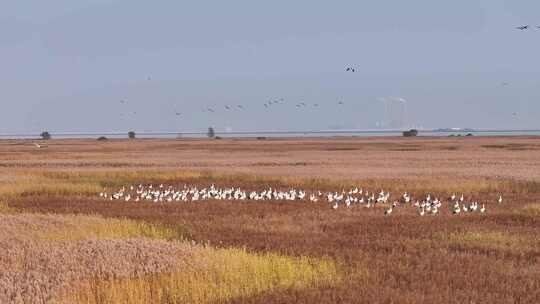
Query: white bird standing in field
(500,199)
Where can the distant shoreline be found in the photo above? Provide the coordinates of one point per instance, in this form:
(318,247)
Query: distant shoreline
(305,133)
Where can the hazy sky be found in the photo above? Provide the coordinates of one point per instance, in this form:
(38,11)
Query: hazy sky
(66,65)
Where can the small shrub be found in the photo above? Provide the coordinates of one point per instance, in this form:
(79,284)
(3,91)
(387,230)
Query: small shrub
(410,133)
(131,134)
(45,135)
(102,138)
(211,133)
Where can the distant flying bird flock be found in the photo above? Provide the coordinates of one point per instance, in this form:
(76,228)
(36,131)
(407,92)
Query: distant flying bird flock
(271,103)
(353,198)
(230,107)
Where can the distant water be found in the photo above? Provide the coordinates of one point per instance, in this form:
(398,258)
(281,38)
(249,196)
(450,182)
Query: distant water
(329,133)
(484,133)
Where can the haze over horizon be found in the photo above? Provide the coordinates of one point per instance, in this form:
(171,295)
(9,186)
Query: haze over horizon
(93,65)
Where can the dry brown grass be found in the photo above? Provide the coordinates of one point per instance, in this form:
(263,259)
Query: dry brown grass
(5,209)
(363,256)
(494,240)
(344,158)
(530,210)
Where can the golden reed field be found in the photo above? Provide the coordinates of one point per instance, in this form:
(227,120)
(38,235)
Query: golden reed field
(64,239)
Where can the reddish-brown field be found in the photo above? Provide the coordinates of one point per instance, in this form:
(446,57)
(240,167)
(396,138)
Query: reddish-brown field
(339,158)
(403,258)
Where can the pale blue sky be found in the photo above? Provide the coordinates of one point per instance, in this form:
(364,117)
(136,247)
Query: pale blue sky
(67,64)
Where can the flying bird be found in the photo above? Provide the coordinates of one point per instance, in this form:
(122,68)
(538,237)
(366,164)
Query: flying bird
(341,102)
(227,107)
(349,69)
(523,27)
(178,113)
(240,106)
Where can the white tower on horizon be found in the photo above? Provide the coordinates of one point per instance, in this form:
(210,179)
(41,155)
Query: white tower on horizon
(395,113)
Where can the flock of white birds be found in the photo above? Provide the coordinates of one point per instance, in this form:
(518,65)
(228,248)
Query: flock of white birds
(356,197)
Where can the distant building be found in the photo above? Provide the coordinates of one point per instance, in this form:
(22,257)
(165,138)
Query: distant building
(395,113)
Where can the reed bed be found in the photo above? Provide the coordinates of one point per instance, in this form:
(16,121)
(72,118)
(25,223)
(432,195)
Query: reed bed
(227,274)
(62,243)
(89,259)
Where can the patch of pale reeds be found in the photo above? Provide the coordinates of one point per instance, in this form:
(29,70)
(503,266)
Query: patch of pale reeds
(530,210)
(41,272)
(494,240)
(91,259)
(83,227)
(40,186)
(227,274)
(78,227)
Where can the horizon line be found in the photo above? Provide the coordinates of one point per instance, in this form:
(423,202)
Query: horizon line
(265,132)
